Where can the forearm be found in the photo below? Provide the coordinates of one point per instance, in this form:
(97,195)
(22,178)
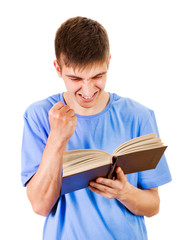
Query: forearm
(143,202)
(43,189)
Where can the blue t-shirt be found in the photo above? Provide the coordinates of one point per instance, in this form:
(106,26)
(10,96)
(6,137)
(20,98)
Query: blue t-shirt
(84,214)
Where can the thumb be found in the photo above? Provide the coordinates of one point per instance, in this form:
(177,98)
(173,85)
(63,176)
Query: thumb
(120,174)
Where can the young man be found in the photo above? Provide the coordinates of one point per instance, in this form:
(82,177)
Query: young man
(86,116)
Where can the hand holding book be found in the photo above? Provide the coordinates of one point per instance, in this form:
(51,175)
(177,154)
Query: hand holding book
(82,166)
(109,188)
(138,201)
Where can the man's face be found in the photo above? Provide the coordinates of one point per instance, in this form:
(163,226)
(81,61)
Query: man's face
(85,88)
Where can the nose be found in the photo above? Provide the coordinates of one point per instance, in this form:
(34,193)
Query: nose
(87,87)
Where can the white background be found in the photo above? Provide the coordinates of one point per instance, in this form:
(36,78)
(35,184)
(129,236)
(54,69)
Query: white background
(144,66)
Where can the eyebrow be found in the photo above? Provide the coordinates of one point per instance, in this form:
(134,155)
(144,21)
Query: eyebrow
(73,76)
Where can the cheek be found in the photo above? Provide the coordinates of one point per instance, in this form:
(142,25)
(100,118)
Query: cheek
(72,86)
(101,83)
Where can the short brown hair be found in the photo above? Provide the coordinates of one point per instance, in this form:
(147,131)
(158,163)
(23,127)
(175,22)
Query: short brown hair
(81,41)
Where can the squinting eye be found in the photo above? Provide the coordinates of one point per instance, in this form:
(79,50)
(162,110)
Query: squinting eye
(75,79)
(97,77)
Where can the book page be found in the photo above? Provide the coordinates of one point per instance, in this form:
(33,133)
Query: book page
(148,141)
(77,161)
(138,149)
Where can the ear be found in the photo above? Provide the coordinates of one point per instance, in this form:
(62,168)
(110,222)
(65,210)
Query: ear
(109,59)
(57,68)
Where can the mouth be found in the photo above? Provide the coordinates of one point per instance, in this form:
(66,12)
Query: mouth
(87,98)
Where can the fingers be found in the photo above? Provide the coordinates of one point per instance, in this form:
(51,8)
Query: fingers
(105,191)
(103,187)
(58,106)
(61,109)
(104,184)
(110,188)
(66,109)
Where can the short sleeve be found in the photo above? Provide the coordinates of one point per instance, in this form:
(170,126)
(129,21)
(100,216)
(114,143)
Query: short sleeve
(32,149)
(161,174)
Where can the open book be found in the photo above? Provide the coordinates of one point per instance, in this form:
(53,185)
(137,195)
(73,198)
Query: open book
(138,154)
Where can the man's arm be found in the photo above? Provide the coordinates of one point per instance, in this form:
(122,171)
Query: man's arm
(143,202)
(44,187)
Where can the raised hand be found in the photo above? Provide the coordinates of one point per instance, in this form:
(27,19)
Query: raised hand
(62,121)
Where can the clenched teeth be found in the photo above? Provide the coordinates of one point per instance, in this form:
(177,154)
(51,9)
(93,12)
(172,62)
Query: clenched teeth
(86,97)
